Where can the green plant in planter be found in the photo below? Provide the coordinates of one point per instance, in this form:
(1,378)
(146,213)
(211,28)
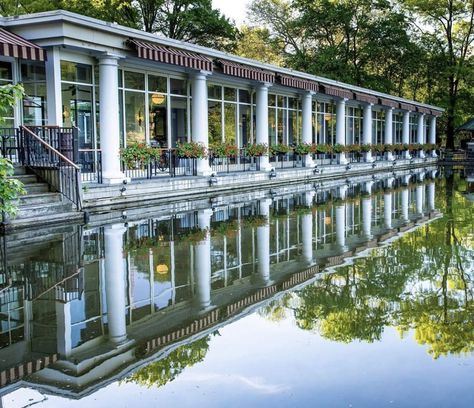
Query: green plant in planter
(135,155)
(279,149)
(389,147)
(379,148)
(225,228)
(255,221)
(430,146)
(366,148)
(323,149)
(256,150)
(191,150)
(354,148)
(339,148)
(303,148)
(223,150)
(193,235)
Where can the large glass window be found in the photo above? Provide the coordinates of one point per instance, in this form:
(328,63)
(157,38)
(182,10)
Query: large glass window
(230,115)
(154,109)
(413,129)
(378,127)
(284,120)
(325,113)
(33,76)
(353,125)
(6,77)
(397,128)
(78,99)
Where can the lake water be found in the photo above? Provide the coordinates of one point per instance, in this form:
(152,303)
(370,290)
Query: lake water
(357,294)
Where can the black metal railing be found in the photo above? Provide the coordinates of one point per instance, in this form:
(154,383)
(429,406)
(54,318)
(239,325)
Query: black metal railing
(240,163)
(63,139)
(90,162)
(287,160)
(52,166)
(166,163)
(11,147)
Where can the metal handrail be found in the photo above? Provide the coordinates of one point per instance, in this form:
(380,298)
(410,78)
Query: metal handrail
(58,171)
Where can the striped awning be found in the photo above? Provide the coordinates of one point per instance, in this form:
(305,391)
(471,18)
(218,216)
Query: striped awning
(389,103)
(246,71)
(335,91)
(407,107)
(12,45)
(435,112)
(424,110)
(173,56)
(362,97)
(293,82)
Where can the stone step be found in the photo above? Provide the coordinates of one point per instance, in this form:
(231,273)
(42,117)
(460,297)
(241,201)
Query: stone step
(36,188)
(40,198)
(19,170)
(50,219)
(26,178)
(38,210)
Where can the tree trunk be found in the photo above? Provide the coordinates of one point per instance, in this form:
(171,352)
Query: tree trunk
(450,115)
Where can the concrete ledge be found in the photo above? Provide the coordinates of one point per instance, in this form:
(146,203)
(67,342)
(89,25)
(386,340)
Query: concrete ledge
(106,198)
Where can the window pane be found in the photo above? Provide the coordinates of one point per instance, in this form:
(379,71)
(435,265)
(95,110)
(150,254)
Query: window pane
(178,86)
(134,80)
(215,124)
(272,126)
(134,117)
(34,104)
(157,84)
(293,103)
(230,94)
(214,91)
(158,120)
(179,114)
(244,125)
(271,100)
(281,101)
(33,71)
(244,96)
(281,133)
(75,72)
(5,71)
(229,122)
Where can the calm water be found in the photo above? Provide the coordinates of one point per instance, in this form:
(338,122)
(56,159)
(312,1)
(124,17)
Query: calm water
(350,295)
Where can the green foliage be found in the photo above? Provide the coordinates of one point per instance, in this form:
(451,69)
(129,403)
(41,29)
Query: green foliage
(279,149)
(10,189)
(223,149)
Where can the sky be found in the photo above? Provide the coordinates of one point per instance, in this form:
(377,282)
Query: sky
(234,9)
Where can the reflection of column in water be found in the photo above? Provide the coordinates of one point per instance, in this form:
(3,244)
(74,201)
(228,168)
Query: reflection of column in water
(263,243)
(387,209)
(307,230)
(115,277)
(63,328)
(342,192)
(405,204)
(341,226)
(431,196)
(419,199)
(367,217)
(202,261)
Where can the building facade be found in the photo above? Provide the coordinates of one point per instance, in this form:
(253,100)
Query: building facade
(121,86)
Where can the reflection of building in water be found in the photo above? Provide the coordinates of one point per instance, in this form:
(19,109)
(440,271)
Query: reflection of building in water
(86,307)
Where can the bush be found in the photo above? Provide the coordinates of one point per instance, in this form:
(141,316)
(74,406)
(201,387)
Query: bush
(223,150)
(10,189)
(303,148)
(279,149)
(339,148)
(191,150)
(366,148)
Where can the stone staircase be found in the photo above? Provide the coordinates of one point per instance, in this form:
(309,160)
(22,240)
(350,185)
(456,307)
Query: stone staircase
(40,206)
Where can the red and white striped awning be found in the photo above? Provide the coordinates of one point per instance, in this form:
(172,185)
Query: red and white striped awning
(299,83)
(363,97)
(338,92)
(12,45)
(424,110)
(407,107)
(389,103)
(246,71)
(173,56)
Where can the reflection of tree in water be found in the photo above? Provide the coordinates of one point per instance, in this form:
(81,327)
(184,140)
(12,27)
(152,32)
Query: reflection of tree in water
(422,282)
(167,369)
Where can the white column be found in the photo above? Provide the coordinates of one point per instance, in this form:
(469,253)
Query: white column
(202,262)
(387,209)
(53,87)
(109,119)
(263,244)
(307,133)
(261,125)
(367,217)
(341,226)
(431,196)
(405,204)
(342,192)
(419,199)
(199,119)
(406,133)
(367,131)
(115,278)
(307,230)
(341,128)
(63,328)
(432,136)
(389,131)
(421,133)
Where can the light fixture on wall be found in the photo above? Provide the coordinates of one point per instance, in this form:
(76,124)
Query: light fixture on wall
(157,99)
(66,114)
(162,269)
